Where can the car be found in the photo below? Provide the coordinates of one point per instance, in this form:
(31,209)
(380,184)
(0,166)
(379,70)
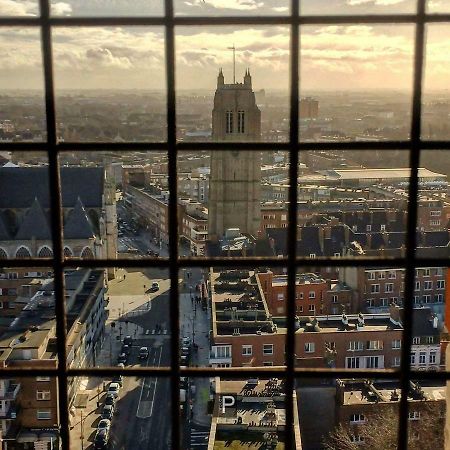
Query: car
(101,439)
(118,379)
(110,400)
(121,365)
(108,412)
(143,353)
(185,341)
(127,340)
(114,389)
(154,287)
(185,351)
(122,359)
(104,424)
(126,349)
(184,360)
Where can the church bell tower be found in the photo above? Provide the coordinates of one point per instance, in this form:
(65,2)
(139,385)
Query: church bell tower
(235,180)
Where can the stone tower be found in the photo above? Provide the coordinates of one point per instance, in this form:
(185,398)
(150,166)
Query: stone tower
(235,181)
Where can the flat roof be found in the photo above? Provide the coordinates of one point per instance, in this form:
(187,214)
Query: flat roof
(353,174)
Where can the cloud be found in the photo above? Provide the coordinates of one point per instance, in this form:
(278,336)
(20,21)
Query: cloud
(240,5)
(374,2)
(61,9)
(18,8)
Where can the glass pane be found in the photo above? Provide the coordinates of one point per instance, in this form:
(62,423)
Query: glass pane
(102,8)
(19,8)
(22,107)
(128,323)
(429,333)
(231,8)
(432,215)
(349,317)
(110,84)
(101,406)
(232,203)
(354,413)
(248,316)
(435,108)
(25,226)
(246,413)
(363,7)
(115,204)
(427,412)
(438,6)
(353,203)
(343,68)
(254,94)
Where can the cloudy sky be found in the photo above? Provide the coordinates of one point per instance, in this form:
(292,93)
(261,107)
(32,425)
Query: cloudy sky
(332,57)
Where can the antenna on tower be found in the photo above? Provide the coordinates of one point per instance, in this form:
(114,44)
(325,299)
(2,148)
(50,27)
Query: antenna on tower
(234,62)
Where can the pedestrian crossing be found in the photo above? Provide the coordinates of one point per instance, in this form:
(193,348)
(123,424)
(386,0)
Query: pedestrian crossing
(199,440)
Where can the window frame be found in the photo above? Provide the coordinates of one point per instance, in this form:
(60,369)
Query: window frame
(414,145)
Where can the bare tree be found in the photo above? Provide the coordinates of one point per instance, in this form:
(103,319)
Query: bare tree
(380,432)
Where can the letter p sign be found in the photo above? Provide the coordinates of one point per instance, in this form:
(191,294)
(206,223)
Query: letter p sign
(227,400)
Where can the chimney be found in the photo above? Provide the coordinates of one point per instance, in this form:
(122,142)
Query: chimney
(394,314)
(435,321)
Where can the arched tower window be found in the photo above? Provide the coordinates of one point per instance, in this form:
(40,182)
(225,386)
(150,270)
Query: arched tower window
(23,252)
(3,254)
(45,252)
(229,122)
(241,122)
(87,253)
(67,252)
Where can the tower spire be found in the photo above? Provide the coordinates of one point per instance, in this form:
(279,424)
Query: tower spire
(234,62)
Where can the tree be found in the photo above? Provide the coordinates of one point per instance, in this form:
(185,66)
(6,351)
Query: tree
(380,431)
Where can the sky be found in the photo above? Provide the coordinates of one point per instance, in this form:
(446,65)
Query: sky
(332,57)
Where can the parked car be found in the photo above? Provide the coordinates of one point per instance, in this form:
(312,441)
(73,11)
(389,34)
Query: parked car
(185,351)
(127,340)
(126,349)
(108,412)
(104,424)
(143,353)
(122,359)
(185,341)
(118,379)
(114,389)
(101,439)
(154,287)
(110,400)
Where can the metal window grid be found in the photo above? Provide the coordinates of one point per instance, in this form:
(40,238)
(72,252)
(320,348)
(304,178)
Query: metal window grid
(45,22)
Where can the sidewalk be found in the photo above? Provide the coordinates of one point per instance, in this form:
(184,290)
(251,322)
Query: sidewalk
(195,323)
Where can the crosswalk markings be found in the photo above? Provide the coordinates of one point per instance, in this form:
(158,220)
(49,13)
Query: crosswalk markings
(199,439)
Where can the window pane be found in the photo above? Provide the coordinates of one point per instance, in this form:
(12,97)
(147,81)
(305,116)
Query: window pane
(432,215)
(245,413)
(438,6)
(353,413)
(363,7)
(349,318)
(106,403)
(25,225)
(19,8)
(429,332)
(247,309)
(110,84)
(232,203)
(22,107)
(127,322)
(353,203)
(209,111)
(101,8)
(343,69)
(231,8)
(115,204)
(436,107)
